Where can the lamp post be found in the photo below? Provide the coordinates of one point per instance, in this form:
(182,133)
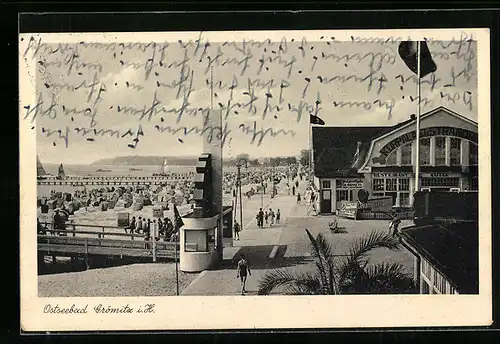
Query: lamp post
(239,164)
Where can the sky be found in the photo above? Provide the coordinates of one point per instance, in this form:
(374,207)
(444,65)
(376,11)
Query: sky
(353,83)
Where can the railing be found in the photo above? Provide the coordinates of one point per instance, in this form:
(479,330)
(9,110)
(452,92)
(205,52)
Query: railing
(53,243)
(71,228)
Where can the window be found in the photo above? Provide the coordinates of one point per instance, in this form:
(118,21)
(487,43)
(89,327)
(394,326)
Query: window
(393,187)
(326,184)
(425,151)
(342,195)
(473,154)
(404,184)
(378,185)
(196,241)
(440,151)
(404,199)
(392,158)
(455,148)
(406,154)
(441,182)
(391,184)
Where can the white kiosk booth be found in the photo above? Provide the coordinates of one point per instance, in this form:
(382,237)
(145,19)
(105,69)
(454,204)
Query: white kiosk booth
(198,242)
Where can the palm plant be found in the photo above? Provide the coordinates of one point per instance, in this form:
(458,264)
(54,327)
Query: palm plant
(347,274)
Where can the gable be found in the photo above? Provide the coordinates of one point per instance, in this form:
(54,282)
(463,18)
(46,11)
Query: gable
(439,122)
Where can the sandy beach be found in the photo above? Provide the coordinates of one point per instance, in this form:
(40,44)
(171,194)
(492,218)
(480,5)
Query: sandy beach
(127,280)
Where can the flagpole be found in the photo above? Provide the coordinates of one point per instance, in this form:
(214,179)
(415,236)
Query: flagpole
(218,238)
(175,254)
(310,151)
(417,162)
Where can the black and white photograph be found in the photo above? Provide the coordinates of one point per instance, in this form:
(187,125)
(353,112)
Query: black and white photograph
(261,167)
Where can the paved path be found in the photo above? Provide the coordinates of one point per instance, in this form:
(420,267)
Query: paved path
(258,244)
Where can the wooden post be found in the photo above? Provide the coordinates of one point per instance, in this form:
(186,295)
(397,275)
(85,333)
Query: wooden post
(154,243)
(86,254)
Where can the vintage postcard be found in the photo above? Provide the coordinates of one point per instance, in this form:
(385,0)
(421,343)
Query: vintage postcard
(253,180)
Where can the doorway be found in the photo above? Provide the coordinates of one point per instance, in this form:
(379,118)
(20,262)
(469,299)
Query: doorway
(326,201)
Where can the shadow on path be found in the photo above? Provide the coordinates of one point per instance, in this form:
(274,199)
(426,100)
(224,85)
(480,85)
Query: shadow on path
(258,258)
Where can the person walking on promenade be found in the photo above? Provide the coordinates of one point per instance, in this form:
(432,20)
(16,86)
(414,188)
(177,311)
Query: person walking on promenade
(242,271)
(131,226)
(161,228)
(266,216)
(236,230)
(293,190)
(271,217)
(261,218)
(138,228)
(278,216)
(298,198)
(394,225)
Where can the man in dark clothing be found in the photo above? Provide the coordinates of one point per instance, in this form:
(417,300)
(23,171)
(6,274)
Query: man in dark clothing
(131,226)
(236,229)
(261,218)
(56,222)
(293,190)
(394,224)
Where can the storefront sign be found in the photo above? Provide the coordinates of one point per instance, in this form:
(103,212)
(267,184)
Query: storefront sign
(348,209)
(437,174)
(349,183)
(426,132)
(380,204)
(393,174)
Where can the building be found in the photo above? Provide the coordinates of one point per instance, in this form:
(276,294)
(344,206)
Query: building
(381,159)
(445,242)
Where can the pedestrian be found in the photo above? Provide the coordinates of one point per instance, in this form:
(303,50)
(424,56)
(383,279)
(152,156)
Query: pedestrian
(278,216)
(293,190)
(271,216)
(131,225)
(266,216)
(236,228)
(155,230)
(242,271)
(56,222)
(138,227)
(394,225)
(298,198)
(160,227)
(261,218)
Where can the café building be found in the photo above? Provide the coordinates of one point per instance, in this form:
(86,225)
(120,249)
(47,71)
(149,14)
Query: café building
(381,159)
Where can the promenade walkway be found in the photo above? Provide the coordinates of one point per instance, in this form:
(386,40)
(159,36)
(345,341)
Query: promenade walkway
(286,246)
(260,246)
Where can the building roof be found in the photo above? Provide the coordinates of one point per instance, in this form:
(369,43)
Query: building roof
(341,151)
(451,248)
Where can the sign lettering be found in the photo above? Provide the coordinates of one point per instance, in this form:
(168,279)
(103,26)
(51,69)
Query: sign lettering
(348,209)
(426,132)
(392,174)
(349,184)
